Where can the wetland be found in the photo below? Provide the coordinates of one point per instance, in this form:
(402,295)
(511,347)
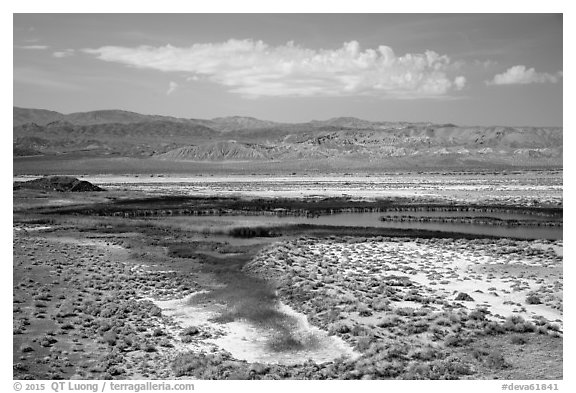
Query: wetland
(173,282)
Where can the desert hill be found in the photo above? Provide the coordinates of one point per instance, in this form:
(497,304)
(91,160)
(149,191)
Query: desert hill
(58,183)
(237,138)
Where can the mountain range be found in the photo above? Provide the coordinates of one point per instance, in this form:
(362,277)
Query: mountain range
(117,133)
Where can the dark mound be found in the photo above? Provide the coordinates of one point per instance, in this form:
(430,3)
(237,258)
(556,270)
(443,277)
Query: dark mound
(462,296)
(58,183)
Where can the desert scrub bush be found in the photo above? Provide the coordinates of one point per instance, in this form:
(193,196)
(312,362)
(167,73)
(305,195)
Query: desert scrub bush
(519,340)
(247,232)
(442,321)
(198,365)
(340,327)
(417,327)
(478,314)
(495,360)
(47,341)
(491,359)
(67,325)
(515,323)
(381,305)
(389,321)
(425,353)
(364,343)
(187,335)
(26,348)
(463,296)
(364,311)
(493,328)
(166,343)
(360,330)
(388,369)
(285,341)
(449,368)
(533,299)
(110,338)
(405,311)
(456,340)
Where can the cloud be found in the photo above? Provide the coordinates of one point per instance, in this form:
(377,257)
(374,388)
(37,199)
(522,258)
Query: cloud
(32,47)
(172,86)
(520,75)
(256,69)
(486,64)
(64,53)
(459,82)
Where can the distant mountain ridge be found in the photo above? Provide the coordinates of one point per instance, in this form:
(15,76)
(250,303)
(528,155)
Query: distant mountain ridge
(238,138)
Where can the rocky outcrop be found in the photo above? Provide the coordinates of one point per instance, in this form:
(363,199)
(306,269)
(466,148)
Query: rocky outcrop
(58,183)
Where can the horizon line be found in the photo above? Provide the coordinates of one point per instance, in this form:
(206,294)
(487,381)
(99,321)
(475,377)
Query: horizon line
(292,123)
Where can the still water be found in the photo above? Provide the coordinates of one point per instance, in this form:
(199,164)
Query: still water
(373,220)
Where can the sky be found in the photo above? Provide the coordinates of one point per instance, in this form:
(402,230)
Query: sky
(466,69)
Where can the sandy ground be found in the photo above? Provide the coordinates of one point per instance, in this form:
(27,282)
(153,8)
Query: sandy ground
(521,188)
(248,342)
(498,278)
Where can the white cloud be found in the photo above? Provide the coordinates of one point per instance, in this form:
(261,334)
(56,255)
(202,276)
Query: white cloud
(64,53)
(255,69)
(486,64)
(520,75)
(459,82)
(172,86)
(32,47)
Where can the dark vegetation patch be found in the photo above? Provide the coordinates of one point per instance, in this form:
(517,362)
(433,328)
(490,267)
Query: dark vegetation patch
(247,298)
(58,183)
(217,206)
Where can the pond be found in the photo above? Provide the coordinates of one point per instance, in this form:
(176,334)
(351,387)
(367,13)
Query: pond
(373,220)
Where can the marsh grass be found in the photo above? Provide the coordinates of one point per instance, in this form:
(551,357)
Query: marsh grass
(254,300)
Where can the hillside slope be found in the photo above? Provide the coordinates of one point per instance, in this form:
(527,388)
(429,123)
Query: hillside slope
(236,138)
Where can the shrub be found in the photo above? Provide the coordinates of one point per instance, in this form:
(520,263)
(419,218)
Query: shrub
(388,369)
(359,330)
(518,340)
(166,343)
(516,323)
(494,328)
(364,343)
(462,296)
(495,360)
(190,331)
(405,311)
(426,353)
(533,299)
(284,342)
(416,327)
(110,338)
(340,327)
(389,321)
(456,340)
(442,321)
(381,305)
(450,368)
(477,315)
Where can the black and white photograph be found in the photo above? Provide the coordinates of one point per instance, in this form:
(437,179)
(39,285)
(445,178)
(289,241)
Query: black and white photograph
(286,196)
